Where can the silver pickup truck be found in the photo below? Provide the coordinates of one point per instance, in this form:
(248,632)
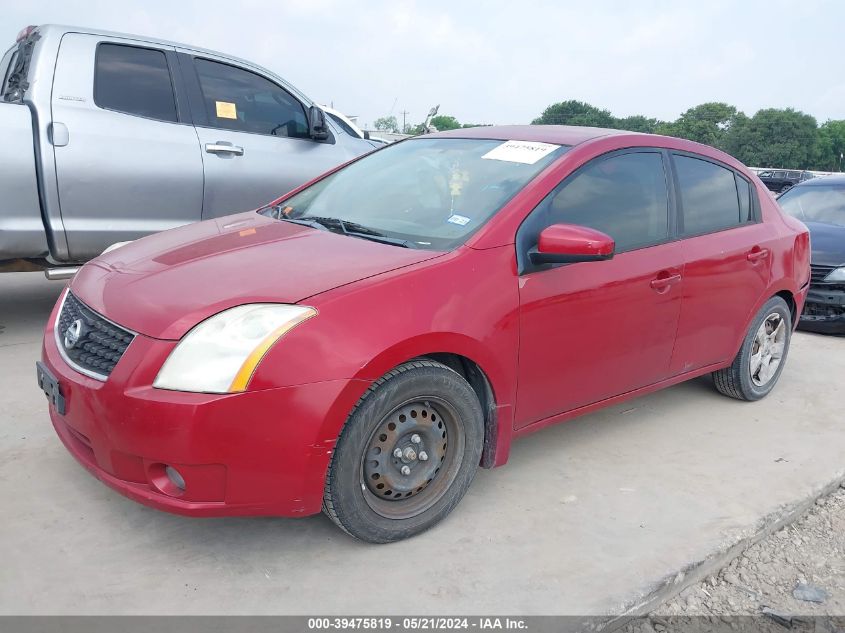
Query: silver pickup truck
(106,137)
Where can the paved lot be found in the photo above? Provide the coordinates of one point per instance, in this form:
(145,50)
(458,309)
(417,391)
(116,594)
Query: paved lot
(587,518)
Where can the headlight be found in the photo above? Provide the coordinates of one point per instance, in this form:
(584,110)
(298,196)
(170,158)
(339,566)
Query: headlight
(220,354)
(837,274)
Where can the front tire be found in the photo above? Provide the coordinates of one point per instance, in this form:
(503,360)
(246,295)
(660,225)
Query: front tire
(761,359)
(406,455)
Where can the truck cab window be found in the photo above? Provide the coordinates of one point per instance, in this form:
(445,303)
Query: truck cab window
(134,80)
(241,101)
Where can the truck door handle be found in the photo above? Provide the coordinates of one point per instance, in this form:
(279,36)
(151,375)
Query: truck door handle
(224,148)
(757,254)
(661,283)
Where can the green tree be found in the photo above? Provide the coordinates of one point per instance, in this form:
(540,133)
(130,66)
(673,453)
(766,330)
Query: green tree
(387,124)
(575,113)
(775,138)
(445,122)
(831,146)
(638,123)
(708,123)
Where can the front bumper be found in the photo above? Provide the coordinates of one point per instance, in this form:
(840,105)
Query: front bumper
(254,453)
(824,310)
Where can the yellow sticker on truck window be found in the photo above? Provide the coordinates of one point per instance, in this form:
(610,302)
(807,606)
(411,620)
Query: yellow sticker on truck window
(226,110)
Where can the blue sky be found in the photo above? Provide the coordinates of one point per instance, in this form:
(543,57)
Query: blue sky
(503,61)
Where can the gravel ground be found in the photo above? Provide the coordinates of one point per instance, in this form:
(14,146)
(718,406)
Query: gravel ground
(792,580)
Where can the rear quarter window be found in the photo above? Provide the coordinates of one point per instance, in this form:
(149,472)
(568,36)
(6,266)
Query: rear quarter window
(743,190)
(6,65)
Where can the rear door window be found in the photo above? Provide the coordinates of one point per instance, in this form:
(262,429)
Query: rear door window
(134,80)
(239,100)
(710,200)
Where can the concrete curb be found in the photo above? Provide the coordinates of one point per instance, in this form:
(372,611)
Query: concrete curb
(671,585)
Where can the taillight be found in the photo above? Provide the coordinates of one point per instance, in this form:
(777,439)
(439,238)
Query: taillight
(25,32)
(801,257)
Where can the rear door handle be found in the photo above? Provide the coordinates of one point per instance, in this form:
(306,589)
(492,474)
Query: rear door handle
(664,282)
(224,148)
(757,255)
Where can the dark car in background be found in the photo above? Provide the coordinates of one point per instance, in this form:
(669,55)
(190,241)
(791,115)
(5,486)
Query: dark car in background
(779,180)
(820,204)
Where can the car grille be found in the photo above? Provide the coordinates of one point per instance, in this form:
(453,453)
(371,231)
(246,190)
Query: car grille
(823,310)
(819,272)
(100,343)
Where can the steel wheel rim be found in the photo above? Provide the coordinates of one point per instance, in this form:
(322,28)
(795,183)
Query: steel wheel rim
(767,349)
(432,459)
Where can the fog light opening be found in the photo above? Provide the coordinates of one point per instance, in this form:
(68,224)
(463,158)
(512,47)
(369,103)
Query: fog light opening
(175,478)
(166,479)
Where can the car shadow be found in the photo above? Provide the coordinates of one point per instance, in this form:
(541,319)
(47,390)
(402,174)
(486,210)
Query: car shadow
(248,538)
(26,300)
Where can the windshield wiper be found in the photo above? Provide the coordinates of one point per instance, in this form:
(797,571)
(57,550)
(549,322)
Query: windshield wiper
(376,237)
(349,228)
(311,223)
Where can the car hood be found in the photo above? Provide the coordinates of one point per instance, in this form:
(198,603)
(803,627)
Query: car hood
(164,284)
(828,243)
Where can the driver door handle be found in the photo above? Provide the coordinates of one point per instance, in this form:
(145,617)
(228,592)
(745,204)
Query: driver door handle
(223,148)
(757,254)
(664,282)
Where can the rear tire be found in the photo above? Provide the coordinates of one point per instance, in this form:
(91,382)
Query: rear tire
(406,455)
(762,356)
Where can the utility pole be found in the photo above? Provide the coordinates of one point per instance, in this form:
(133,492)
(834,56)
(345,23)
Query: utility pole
(403,113)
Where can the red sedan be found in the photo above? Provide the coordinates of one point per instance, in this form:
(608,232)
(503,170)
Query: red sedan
(365,343)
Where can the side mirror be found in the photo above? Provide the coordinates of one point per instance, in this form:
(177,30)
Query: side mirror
(570,243)
(317,124)
(366,135)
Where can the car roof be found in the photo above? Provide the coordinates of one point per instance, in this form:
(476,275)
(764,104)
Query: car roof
(556,134)
(572,135)
(822,181)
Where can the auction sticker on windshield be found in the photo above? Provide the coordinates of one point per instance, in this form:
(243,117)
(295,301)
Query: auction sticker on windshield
(524,152)
(460,220)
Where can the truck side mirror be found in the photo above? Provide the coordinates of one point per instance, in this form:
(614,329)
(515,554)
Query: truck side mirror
(317,124)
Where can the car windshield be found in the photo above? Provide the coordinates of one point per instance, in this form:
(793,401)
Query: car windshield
(344,125)
(429,193)
(816,203)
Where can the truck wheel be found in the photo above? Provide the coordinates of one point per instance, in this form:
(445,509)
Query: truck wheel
(406,455)
(761,359)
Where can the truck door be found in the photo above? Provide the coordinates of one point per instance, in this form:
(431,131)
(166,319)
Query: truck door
(254,136)
(128,160)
